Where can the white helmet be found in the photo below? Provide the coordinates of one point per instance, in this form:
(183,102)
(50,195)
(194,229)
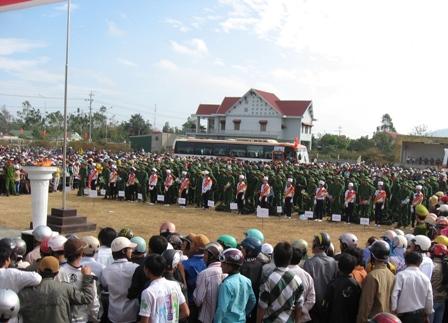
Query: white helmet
(399,232)
(349,239)
(389,235)
(9,304)
(400,242)
(423,241)
(42,232)
(409,237)
(56,243)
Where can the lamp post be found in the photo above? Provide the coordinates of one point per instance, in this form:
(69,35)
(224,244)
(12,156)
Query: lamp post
(106,121)
(45,110)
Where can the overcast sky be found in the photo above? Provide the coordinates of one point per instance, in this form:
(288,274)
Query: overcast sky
(356,60)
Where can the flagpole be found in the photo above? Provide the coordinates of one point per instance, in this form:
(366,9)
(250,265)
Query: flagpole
(64,148)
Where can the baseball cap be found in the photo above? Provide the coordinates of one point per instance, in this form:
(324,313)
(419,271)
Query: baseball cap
(443,208)
(49,263)
(199,239)
(120,243)
(267,249)
(74,246)
(93,245)
(56,243)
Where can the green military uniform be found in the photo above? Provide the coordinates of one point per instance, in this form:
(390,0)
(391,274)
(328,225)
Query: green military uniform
(278,188)
(365,193)
(337,193)
(228,190)
(105,174)
(251,183)
(142,186)
(300,184)
(404,197)
(310,193)
(83,174)
(9,180)
(121,181)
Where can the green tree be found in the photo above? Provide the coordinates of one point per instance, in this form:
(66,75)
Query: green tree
(383,142)
(386,124)
(6,120)
(29,118)
(136,125)
(55,125)
(361,144)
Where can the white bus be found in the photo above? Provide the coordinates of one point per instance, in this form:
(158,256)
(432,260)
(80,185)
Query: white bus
(243,149)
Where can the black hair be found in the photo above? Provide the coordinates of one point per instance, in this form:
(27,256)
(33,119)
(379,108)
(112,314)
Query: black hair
(120,254)
(372,240)
(155,264)
(47,273)
(5,254)
(356,252)
(106,236)
(413,258)
(72,258)
(346,263)
(296,256)
(282,254)
(158,244)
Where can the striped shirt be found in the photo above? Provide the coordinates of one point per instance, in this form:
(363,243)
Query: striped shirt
(279,293)
(206,292)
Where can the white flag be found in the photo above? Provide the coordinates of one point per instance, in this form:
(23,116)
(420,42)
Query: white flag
(8,5)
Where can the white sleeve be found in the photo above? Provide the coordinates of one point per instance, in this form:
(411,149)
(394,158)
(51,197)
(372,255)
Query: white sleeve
(26,278)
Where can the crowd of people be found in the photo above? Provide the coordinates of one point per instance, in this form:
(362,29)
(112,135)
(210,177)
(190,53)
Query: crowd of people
(384,194)
(172,277)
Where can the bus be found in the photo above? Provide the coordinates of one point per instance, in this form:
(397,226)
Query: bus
(266,150)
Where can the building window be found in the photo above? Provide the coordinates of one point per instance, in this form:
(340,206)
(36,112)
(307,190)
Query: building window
(236,124)
(223,124)
(245,100)
(157,138)
(263,124)
(283,126)
(246,109)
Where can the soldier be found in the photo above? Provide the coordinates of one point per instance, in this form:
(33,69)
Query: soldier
(112,182)
(309,194)
(265,192)
(183,189)
(105,175)
(379,202)
(168,187)
(93,177)
(251,187)
(336,192)
(227,190)
(404,196)
(83,174)
(198,193)
(9,179)
(417,198)
(142,186)
(152,183)
(278,188)
(121,181)
(364,197)
(300,185)
(240,191)
(288,198)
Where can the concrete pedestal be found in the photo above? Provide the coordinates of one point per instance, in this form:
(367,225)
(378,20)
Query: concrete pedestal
(39,179)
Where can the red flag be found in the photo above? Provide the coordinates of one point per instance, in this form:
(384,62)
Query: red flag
(86,136)
(296,142)
(8,5)
(44,133)
(21,131)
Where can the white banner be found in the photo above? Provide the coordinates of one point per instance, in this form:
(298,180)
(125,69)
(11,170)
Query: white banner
(93,193)
(103,192)
(279,209)
(211,203)
(86,191)
(309,214)
(234,206)
(262,213)
(181,200)
(120,193)
(8,5)
(139,196)
(160,198)
(68,189)
(364,221)
(336,218)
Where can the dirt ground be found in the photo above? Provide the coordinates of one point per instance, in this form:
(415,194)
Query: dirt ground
(145,220)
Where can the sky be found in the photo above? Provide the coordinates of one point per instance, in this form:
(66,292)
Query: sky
(356,60)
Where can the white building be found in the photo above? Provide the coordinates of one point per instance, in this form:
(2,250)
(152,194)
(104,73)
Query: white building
(257,114)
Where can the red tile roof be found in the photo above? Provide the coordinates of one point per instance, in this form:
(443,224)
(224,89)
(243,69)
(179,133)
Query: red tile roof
(226,104)
(207,108)
(288,108)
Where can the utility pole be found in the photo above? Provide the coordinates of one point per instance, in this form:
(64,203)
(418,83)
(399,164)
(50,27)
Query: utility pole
(155,110)
(340,130)
(90,117)
(45,110)
(106,121)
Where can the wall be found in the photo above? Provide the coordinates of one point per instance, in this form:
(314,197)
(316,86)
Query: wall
(417,147)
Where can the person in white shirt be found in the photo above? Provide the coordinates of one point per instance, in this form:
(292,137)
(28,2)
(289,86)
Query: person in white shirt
(71,273)
(421,244)
(411,296)
(104,254)
(40,233)
(207,183)
(116,279)
(152,182)
(163,300)
(12,278)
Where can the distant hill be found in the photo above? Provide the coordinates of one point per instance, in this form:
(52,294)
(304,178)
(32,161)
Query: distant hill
(439,133)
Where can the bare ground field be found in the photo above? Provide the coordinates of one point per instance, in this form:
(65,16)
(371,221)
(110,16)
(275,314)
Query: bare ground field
(145,220)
